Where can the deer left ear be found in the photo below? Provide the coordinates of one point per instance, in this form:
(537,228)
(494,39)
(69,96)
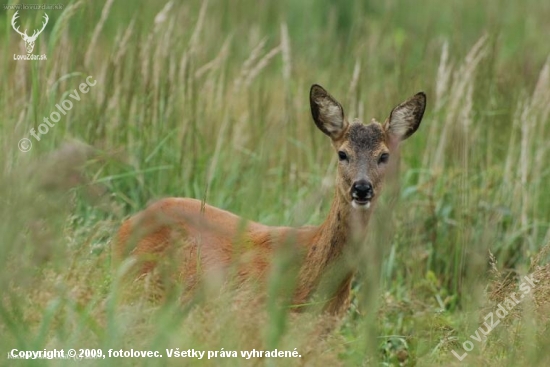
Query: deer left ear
(405,118)
(327,112)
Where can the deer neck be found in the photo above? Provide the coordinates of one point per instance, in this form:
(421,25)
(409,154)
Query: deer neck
(333,239)
(343,227)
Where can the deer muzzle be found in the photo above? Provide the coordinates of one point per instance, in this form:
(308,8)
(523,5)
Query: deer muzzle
(362,193)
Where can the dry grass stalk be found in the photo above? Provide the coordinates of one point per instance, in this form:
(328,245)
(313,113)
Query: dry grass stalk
(264,61)
(194,41)
(97,31)
(247,65)
(352,92)
(217,61)
(163,15)
(443,76)
(462,78)
(122,44)
(285,45)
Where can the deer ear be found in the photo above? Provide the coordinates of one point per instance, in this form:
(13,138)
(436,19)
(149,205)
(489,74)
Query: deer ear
(327,113)
(405,118)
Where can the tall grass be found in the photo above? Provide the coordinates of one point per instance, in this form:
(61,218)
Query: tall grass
(209,100)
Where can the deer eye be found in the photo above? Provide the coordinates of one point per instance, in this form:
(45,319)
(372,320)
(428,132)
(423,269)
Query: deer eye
(342,156)
(384,157)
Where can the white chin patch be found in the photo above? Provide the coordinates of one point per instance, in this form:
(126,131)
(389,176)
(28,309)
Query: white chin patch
(356,205)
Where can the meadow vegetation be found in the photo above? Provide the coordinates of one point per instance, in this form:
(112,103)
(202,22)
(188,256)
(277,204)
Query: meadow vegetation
(209,99)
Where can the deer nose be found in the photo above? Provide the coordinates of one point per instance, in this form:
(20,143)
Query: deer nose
(362,190)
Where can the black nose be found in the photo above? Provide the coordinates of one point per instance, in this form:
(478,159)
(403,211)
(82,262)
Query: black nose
(362,190)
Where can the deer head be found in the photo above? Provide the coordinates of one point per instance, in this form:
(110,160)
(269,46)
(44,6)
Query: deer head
(363,150)
(29,41)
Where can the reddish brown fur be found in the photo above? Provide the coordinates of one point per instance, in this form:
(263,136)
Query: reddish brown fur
(209,241)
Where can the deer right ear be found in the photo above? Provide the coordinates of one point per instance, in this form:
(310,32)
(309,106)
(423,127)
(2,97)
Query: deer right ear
(405,118)
(327,113)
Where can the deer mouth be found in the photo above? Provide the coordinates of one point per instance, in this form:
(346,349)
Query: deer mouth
(358,203)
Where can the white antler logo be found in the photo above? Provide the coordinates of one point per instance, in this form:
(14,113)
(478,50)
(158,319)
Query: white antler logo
(29,41)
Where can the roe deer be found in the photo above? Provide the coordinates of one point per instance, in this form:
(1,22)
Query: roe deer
(207,239)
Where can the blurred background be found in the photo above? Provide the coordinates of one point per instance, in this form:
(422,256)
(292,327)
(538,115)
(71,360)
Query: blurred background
(209,99)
